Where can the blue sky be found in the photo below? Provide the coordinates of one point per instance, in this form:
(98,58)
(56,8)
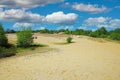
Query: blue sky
(60,14)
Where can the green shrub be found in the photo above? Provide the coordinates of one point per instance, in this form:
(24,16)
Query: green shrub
(115,36)
(3,38)
(7,52)
(24,38)
(69,40)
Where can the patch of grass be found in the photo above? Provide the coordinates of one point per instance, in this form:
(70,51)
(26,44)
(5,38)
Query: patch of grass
(7,52)
(63,43)
(32,47)
(36,48)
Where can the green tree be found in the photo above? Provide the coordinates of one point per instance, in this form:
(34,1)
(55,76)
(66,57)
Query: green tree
(99,33)
(24,38)
(3,38)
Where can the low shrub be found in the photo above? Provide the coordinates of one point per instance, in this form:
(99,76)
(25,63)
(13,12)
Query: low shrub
(69,40)
(7,52)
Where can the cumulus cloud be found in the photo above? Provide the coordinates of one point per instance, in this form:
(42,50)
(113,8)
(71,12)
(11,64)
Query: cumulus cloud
(89,8)
(96,21)
(61,18)
(115,23)
(102,22)
(21,16)
(26,3)
(18,25)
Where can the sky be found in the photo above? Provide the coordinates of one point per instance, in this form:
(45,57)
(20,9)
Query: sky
(60,14)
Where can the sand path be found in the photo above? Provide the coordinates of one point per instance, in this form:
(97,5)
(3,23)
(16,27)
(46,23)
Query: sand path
(83,60)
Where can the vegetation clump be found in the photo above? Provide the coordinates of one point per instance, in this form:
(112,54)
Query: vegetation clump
(24,38)
(69,40)
(6,49)
(3,38)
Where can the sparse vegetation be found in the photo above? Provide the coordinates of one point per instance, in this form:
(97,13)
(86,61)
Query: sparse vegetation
(69,40)
(3,38)
(6,49)
(24,38)
(99,33)
(7,52)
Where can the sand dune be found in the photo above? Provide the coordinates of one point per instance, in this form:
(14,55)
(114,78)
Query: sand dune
(85,59)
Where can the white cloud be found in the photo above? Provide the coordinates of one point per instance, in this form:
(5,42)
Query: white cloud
(117,6)
(18,15)
(22,16)
(18,25)
(89,8)
(42,28)
(26,3)
(102,22)
(115,23)
(96,21)
(61,18)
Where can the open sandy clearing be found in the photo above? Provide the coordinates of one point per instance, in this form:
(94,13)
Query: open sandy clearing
(83,60)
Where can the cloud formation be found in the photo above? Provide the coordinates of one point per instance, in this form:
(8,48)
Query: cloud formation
(21,16)
(26,3)
(17,25)
(89,8)
(102,22)
(61,18)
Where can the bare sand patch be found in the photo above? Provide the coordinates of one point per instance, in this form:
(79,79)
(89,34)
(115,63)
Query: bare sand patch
(83,60)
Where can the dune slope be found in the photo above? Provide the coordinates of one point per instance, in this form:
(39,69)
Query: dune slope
(83,60)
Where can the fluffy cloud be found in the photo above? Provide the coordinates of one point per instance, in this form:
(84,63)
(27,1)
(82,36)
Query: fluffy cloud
(26,3)
(18,15)
(61,18)
(96,21)
(21,16)
(115,23)
(89,8)
(102,21)
(17,25)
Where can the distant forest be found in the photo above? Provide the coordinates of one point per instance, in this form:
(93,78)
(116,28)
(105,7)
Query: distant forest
(99,33)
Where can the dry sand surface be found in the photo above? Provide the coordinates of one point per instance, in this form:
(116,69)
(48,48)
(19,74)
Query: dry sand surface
(86,59)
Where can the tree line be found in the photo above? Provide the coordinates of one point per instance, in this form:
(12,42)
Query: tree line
(99,33)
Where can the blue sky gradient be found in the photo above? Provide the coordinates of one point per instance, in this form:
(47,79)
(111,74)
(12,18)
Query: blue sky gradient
(74,14)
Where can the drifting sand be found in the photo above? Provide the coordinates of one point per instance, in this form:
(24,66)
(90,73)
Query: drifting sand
(85,59)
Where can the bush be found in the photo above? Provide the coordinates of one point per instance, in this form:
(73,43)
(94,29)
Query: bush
(7,52)
(115,36)
(24,38)
(3,38)
(69,40)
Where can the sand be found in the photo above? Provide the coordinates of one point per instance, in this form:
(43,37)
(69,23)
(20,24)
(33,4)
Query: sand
(85,59)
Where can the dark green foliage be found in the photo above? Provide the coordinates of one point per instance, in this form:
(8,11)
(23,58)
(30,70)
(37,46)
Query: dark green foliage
(44,31)
(115,34)
(24,38)
(7,52)
(100,33)
(3,38)
(67,31)
(69,40)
